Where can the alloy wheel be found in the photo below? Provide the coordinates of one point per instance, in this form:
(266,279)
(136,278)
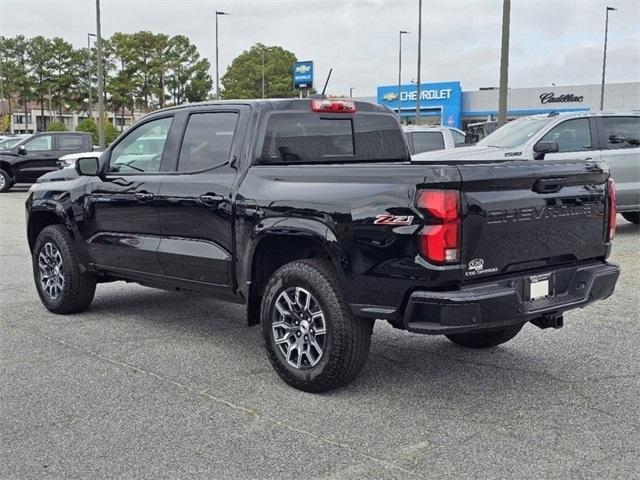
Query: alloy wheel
(51,265)
(299,328)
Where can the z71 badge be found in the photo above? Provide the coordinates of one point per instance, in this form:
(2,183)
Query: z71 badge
(386,219)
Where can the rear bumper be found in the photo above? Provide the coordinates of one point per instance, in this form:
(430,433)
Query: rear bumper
(495,304)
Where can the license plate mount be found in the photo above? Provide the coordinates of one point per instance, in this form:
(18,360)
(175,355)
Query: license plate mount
(539,286)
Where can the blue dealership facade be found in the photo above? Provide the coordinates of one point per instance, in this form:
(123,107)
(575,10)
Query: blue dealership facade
(445,103)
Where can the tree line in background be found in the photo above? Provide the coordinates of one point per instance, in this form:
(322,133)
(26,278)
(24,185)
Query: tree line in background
(142,71)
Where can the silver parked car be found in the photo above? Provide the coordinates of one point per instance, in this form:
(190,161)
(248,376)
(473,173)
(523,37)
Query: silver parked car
(586,136)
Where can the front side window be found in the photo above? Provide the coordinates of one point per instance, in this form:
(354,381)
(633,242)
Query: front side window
(621,132)
(427,141)
(39,144)
(310,138)
(207,141)
(70,142)
(572,135)
(141,150)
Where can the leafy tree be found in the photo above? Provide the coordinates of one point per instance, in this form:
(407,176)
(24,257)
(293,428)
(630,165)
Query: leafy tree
(110,132)
(67,69)
(10,69)
(243,78)
(188,77)
(40,52)
(5,123)
(56,127)
(89,125)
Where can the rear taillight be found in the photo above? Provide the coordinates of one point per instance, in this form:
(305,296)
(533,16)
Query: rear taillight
(334,106)
(439,240)
(611,200)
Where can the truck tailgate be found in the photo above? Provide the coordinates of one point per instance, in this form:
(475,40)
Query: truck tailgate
(526,216)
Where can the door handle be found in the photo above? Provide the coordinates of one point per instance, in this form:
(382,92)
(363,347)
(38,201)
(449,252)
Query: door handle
(144,196)
(211,199)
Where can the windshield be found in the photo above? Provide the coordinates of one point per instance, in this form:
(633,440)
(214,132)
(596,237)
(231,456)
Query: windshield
(10,142)
(515,133)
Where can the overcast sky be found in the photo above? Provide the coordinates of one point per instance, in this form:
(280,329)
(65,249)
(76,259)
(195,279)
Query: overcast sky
(557,41)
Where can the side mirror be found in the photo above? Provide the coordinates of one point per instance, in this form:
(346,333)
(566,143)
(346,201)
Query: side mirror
(88,166)
(22,150)
(544,147)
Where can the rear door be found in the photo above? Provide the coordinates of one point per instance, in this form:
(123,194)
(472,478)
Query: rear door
(527,215)
(67,143)
(620,140)
(195,203)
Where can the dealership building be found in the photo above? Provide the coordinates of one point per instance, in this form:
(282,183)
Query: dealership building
(445,103)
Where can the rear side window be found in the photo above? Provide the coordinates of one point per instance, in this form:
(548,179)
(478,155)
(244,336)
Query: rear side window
(70,142)
(207,140)
(427,141)
(572,135)
(621,132)
(310,138)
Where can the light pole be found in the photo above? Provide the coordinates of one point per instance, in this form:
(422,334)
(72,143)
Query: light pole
(351,89)
(604,56)
(402,32)
(100,79)
(262,72)
(90,106)
(419,61)
(217,61)
(504,63)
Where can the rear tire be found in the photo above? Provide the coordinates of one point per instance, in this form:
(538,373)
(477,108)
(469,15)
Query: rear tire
(6,182)
(312,339)
(486,339)
(62,287)
(633,217)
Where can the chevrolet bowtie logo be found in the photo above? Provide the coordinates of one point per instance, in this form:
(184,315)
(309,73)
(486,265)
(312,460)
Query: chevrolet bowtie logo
(390,97)
(302,68)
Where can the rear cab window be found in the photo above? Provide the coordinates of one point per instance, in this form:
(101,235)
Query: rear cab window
(70,142)
(305,137)
(427,141)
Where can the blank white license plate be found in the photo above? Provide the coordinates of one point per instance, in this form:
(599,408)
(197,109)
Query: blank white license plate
(538,288)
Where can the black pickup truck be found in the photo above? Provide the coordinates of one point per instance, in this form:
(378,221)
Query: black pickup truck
(38,155)
(310,213)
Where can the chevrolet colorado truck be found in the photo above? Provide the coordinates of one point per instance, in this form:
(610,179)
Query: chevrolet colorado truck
(311,214)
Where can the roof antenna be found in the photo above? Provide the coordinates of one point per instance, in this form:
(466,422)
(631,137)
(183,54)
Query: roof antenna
(326,82)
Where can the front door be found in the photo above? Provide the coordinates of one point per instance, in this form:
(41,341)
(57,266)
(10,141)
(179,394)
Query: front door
(37,157)
(195,203)
(121,225)
(577,141)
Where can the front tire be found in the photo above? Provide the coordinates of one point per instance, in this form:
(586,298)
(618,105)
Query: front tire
(633,217)
(312,339)
(6,182)
(488,339)
(62,287)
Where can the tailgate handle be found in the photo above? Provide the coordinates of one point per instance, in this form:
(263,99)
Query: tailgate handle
(549,185)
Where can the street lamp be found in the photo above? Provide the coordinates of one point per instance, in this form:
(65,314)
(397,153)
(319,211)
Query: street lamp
(100,77)
(217,62)
(90,107)
(604,56)
(503,95)
(402,32)
(262,51)
(351,89)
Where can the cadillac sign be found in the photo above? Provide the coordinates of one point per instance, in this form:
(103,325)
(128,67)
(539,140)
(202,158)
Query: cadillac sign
(550,97)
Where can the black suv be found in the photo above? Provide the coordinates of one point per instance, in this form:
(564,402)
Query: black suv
(311,214)
(39,154)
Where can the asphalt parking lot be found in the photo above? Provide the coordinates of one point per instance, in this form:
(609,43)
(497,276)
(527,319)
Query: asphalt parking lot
(151,384)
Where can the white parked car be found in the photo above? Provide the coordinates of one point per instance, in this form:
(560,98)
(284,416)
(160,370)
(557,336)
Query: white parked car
(425,138)
(69,161)
(567,137)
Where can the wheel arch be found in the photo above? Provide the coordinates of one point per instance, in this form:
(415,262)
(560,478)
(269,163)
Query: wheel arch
(279,242)
(39,220)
